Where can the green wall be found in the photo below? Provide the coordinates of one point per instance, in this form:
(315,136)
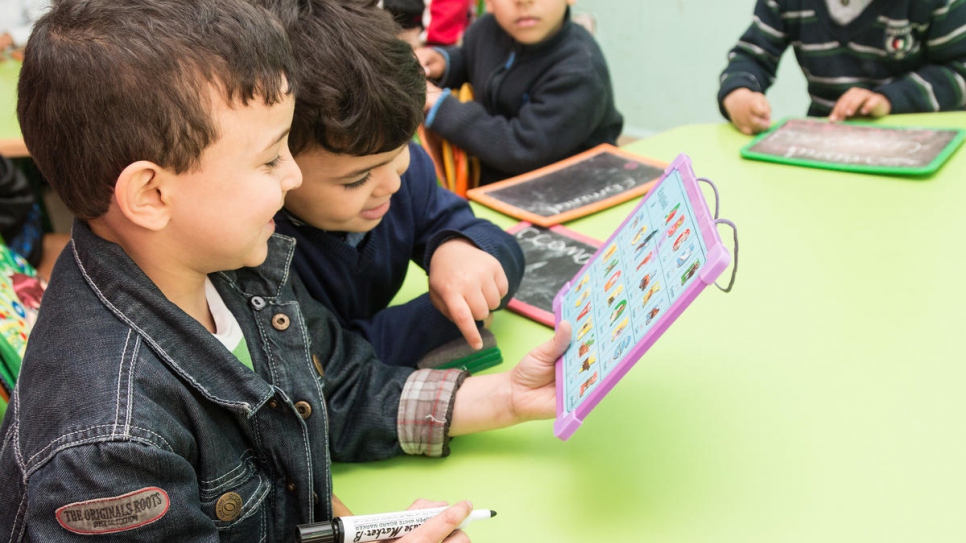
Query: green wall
(665,57)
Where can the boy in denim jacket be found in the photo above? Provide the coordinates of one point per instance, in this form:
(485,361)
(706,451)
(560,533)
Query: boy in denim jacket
(174,388)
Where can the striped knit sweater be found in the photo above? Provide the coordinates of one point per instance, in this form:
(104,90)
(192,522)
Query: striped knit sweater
(911,51)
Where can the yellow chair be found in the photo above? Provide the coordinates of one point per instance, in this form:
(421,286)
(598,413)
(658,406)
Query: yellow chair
(455,169)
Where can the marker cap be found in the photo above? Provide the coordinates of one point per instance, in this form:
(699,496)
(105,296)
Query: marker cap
(318,532)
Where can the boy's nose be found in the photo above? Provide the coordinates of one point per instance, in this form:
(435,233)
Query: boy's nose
(389,183)
(292,179)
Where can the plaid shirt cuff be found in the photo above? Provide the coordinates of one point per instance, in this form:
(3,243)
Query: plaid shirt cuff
(426,409)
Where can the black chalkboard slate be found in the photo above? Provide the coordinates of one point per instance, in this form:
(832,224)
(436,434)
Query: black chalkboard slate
(582,184)
(553,256)
(857,147)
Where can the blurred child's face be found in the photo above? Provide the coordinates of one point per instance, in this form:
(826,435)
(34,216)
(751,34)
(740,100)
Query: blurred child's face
(223,209)
(346,193)
(529,21)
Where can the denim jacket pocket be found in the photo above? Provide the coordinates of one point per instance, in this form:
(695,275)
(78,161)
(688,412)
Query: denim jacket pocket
(236,501)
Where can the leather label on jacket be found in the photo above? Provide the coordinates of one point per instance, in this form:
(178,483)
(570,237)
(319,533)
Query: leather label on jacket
(115,514)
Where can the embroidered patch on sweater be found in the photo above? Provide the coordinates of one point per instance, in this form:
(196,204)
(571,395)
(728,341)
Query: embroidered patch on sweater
(115,514)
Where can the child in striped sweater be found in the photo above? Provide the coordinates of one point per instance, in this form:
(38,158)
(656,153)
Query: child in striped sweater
(861,58)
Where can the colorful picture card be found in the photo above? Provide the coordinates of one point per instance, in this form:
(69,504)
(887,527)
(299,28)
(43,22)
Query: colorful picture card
(641,279)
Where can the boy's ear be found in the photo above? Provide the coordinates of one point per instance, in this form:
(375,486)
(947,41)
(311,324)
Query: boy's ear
(140,193)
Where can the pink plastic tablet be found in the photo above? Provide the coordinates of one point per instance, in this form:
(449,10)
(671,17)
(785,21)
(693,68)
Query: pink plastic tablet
(634,287)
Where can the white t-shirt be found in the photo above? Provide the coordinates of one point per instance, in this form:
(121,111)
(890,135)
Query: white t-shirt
(227,330)
(844,12)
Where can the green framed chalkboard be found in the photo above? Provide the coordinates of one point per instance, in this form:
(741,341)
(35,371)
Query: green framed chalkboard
(856,146)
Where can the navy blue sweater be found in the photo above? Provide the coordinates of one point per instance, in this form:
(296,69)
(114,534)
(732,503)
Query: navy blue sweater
(533,104)
(358,283)
(910,51)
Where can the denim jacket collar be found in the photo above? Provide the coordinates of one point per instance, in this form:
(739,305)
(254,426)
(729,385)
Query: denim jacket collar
(207,365)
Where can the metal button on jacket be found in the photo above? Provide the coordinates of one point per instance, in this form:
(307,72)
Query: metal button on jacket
(228,506)
(318,365)
(258,303)
(281,321)
(304,408)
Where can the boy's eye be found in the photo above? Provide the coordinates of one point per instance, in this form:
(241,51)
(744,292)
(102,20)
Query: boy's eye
(274,162)
(359,183)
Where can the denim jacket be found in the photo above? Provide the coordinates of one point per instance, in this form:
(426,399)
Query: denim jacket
(132,421)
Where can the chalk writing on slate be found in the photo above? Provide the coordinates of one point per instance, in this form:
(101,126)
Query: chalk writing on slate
(583,183)
(855,147)
(553,256)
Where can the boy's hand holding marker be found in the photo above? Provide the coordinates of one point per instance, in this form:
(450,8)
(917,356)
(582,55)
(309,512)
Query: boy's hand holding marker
(443,527)
(423,522)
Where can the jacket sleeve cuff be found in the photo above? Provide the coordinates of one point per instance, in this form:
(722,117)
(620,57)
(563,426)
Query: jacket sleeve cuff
(426,410)
(733,82)
(431,116)
(899,101)
(446,59)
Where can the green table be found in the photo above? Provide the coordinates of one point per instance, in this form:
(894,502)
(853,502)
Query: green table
(821,401)
(11,141)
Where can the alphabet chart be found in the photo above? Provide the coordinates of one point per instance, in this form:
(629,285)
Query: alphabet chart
(639,281)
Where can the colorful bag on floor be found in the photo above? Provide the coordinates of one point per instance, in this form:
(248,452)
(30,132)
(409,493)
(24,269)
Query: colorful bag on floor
(20,294)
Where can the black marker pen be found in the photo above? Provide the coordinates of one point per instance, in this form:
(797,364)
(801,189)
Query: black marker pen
(357,529)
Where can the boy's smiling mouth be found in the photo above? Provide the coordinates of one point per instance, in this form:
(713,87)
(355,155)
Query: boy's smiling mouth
(376,212)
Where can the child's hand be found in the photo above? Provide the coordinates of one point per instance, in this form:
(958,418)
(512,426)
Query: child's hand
(432,61)
(748,110)
(441,527)
(862,103)
(527,392)
(533,393)
(465,283)
(432,96)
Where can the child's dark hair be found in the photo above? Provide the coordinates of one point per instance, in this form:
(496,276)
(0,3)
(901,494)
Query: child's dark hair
(106,83)
(361,89)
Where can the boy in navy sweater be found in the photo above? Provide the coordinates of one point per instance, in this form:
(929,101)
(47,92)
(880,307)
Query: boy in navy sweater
(864,58)
(542,90)
(370,203)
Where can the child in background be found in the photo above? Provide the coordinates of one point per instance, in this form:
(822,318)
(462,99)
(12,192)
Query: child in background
(22,221)
(865,58)
(161,399)
(541,86)
(433,22)
(369,201)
